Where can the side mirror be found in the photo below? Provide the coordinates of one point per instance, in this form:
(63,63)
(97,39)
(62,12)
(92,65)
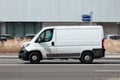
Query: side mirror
(38,40)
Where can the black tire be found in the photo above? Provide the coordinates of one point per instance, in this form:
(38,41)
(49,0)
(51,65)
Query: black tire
(86,57)
(35,57)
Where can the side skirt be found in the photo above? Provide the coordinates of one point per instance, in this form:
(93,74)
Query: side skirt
(66,55)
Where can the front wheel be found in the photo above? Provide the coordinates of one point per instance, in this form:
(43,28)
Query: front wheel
(35,58)
(86,57)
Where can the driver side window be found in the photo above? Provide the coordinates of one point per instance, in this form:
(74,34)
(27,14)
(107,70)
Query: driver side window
(46,35)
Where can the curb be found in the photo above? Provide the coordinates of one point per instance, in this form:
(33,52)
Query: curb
(112,57)
(8,57)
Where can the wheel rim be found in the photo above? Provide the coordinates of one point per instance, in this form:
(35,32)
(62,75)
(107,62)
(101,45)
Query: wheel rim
(34,57)
(87,57)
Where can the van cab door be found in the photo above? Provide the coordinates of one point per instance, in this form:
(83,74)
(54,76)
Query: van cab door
(46,43)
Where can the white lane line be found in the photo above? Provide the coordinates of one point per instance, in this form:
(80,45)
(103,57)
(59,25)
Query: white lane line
(106,70)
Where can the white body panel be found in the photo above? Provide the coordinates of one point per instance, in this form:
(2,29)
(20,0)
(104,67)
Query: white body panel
(69,39)
(78,39)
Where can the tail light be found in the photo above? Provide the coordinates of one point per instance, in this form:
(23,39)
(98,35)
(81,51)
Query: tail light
(103,43)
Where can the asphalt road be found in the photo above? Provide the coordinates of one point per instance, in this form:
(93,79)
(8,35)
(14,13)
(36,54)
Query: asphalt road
(15,69)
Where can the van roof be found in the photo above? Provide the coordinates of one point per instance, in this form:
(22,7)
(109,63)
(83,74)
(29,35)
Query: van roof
(62,27)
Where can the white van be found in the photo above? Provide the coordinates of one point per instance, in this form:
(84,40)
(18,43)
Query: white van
(65,42)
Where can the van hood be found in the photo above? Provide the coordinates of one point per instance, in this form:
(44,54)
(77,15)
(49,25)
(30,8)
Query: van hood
(26,44)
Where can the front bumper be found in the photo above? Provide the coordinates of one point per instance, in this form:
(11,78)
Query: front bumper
(23,54)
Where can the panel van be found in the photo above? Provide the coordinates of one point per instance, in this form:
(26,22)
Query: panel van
(65,42)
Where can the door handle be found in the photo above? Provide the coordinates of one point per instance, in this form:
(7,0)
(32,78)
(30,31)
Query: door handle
(53,43)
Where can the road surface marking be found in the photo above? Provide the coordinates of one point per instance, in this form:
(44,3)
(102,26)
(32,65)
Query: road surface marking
(107,70)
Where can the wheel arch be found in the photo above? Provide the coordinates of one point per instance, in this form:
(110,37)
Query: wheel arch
(91,52)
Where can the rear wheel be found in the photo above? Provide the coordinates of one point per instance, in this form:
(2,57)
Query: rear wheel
(86,57)
(35,58)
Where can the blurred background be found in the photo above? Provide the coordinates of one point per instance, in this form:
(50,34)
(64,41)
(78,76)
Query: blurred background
(20,20)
